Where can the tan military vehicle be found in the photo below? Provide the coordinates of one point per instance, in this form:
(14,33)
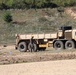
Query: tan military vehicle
(64,38)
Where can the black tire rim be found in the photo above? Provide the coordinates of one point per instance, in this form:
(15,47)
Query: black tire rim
(69,45)
(22,46)
(58,45)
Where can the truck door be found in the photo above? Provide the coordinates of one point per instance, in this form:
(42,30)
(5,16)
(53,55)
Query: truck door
(74,34)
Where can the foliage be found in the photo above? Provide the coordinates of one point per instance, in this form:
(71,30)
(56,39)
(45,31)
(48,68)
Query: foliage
(64,2)
(7,17)
(3,6)
(22,4)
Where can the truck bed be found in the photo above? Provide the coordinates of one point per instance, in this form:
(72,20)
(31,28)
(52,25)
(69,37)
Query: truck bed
(38,36)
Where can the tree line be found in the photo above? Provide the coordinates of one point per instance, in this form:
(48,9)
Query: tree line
(22,4)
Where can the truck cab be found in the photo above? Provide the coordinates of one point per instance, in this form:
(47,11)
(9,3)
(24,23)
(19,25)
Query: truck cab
(66,38)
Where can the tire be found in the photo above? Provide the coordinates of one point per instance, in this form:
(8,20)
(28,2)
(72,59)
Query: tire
(32,47)
(69,45)
(58,45)
(22,47)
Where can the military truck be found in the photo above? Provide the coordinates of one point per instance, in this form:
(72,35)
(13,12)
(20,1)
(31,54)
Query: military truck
(64,38)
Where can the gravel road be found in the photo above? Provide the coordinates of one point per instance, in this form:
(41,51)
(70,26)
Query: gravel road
(60,67)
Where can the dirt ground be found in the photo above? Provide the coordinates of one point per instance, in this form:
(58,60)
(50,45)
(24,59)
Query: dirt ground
(8,55)
(60,67)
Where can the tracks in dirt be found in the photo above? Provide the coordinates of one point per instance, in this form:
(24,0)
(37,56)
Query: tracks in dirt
(21,57)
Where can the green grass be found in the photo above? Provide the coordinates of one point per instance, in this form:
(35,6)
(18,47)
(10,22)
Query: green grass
(32,21)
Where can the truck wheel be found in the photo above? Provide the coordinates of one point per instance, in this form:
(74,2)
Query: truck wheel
(32,47)
(58,45)
(22,47)
(69,45)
